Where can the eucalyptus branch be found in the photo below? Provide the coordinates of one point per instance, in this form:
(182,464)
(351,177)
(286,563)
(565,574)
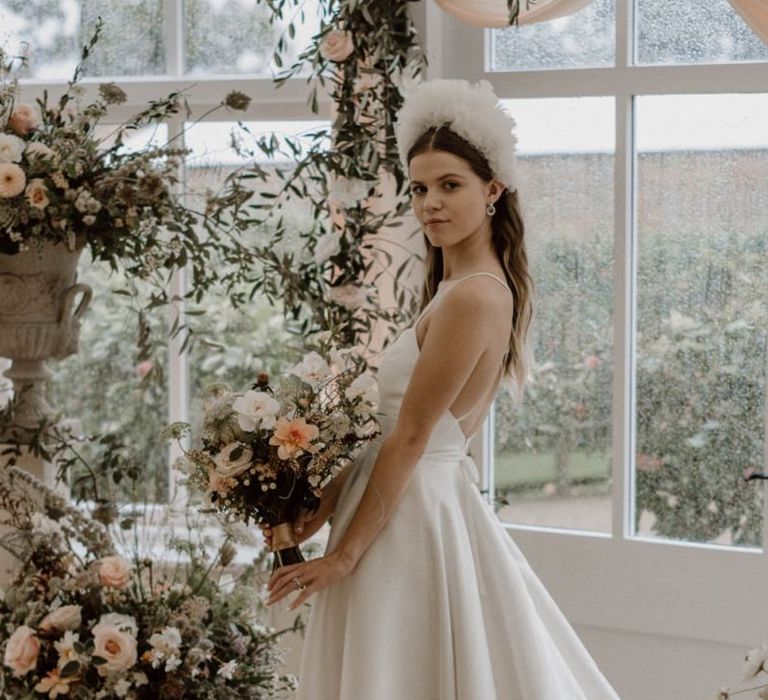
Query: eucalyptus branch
(383,41)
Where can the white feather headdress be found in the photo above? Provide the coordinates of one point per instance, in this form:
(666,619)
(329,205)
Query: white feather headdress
(471,111)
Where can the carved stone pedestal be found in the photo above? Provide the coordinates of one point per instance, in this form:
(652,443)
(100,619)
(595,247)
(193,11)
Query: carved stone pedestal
(40,310)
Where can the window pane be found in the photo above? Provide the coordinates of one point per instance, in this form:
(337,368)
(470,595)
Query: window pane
(691,31)
(233,345)
(552,458)
(131,40)
(238,37)
(580,40)
(101,384)
(701,316)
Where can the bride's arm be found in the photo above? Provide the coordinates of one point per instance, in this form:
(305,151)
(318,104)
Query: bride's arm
(333,488)
(461,328)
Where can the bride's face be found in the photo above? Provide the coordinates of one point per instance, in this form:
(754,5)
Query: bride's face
(448,198)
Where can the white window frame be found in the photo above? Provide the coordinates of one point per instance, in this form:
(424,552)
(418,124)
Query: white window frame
(617,581)
(613,581)
(268,103)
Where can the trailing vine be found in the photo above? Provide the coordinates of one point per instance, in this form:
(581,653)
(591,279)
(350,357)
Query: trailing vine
(364,56)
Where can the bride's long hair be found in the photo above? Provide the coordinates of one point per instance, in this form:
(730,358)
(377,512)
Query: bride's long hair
(508,242)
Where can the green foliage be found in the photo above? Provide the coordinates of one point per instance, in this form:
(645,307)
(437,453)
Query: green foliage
(114,391)
(700,377)
(347,174)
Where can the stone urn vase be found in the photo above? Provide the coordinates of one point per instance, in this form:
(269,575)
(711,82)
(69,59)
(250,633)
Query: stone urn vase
(41,305)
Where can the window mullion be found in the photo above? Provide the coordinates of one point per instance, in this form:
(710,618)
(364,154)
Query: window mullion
(625,33)
(623,319)
(622,442)
(178,362)
(174,38)
(765,458)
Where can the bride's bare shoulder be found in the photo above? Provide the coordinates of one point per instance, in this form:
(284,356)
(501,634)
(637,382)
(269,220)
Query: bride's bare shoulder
(480,290)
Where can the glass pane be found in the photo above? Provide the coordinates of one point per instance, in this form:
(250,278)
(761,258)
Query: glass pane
(233,345)
(131,40)
(101,385)
(691,31)
(701,316)
(238,37)
(552,458)
(584,39)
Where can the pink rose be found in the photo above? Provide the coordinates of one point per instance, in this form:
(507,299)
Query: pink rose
(114,645)
(37,193)
(591,361)
(24,119)
(114,572)
(144,368)
(337,46)
(67,617)
(348,295)
(22,650)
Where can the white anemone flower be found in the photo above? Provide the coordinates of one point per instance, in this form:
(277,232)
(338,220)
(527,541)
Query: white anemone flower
(255,408)
(365,387)
(312,369)
(754,662)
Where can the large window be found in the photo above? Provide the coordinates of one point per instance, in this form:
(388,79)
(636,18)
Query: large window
(702,286)
(653,234)
(146,38)
(235,344)
(151,48)
(553,453)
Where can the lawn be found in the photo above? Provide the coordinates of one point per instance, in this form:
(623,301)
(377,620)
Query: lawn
(517,471)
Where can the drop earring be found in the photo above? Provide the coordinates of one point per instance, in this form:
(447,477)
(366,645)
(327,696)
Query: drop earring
(490,209)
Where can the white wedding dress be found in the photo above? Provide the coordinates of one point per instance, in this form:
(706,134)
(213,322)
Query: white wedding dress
(442,605)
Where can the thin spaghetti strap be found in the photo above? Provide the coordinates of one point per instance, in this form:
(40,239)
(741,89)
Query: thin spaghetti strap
(490,274)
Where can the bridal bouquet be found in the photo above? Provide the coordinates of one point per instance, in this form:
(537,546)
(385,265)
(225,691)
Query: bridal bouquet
(67,178)
(268,452)
(85,619)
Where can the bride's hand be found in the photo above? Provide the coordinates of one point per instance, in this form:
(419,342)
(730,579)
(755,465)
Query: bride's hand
(314,574)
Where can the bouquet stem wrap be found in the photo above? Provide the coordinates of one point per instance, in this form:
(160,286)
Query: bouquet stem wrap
(285,509)
(284,546)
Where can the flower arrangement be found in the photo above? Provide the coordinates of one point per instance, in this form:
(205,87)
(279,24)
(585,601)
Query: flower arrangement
(270,451)
(65,178)
(83,620)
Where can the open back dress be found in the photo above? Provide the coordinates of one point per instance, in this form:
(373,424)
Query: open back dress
(442,605)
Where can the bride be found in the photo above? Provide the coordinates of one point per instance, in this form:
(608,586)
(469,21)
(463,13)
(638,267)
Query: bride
(421,593)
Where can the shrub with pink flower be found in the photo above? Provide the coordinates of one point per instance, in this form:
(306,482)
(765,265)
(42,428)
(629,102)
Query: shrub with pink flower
(337,45)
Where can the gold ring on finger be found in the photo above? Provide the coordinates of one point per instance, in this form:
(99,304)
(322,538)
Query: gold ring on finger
(298,583)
